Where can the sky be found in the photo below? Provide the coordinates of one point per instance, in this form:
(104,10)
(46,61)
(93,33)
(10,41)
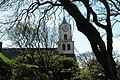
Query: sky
(81,43)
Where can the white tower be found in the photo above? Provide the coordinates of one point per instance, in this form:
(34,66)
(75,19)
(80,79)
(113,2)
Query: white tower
(65,43)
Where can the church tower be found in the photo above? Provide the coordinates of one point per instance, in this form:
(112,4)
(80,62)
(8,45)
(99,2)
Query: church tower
(65,43)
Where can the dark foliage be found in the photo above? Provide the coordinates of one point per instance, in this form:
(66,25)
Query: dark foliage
(45,66)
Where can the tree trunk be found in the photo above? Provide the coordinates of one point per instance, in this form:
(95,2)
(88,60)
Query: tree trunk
(98,46)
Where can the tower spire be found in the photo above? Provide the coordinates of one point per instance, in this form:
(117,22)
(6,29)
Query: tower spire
(64,20)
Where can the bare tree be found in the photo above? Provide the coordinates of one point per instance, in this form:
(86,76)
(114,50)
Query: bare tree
(47,35)
(37,10)
(26,36)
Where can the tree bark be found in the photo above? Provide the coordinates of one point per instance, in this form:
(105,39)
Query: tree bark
(103,55)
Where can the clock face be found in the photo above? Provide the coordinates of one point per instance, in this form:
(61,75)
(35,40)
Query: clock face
(65,28)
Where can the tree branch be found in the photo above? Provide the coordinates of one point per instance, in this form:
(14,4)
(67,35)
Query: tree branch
(48,2)
(115,5)
(89,9)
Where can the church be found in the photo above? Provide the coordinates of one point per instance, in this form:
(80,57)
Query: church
(65,45)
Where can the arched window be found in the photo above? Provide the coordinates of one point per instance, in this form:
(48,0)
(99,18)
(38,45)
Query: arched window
(65,36)
(63,47)
(68,47)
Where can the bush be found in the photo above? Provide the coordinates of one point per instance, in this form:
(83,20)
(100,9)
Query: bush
(38,66)
(55,67)
(5,68)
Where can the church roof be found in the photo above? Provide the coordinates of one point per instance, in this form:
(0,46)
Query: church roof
(13,52)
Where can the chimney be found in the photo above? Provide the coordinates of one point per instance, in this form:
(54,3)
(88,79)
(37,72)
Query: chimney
(0,46)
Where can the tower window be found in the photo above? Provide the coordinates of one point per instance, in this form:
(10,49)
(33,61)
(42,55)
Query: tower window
(65,36)
(63,47)
(68,47)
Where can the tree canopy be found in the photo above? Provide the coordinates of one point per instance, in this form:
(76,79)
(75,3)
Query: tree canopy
(44,66)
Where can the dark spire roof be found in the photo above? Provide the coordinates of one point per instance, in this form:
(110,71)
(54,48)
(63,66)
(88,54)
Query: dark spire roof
(64,20)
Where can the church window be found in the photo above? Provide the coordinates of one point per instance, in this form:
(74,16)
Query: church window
(63,47)
(65,36)
(68,47)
